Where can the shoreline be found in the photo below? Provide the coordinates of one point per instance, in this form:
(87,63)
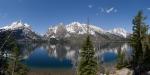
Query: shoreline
(51,72)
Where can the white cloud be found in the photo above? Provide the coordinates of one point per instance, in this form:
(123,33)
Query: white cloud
(90,6)
(148,8)
(109,10)
(106,10)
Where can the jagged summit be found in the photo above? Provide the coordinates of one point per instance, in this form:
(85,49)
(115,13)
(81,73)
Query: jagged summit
(119,31)
(17,25)
(81,28)
(24,30)
(21,31)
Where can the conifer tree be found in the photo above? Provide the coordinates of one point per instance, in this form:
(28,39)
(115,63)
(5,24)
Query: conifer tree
(87,64)
(15,67)
(9,56)
(5,45)
(138,42)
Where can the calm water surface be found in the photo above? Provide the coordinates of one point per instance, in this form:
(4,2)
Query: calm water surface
(65,56)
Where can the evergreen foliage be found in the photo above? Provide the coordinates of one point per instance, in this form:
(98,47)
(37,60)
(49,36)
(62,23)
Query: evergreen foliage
(9,56)
(5,48)
(139,43)
(88,63)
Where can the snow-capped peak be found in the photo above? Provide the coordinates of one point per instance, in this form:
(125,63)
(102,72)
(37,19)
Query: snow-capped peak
(76,27)
(17,25)
(81,28)
(119,31)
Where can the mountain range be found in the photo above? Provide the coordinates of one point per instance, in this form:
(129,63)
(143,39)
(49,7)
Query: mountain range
(74,30)
(20,31)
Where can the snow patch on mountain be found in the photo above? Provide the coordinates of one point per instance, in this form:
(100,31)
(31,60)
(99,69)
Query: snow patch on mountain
(76,27)
(21,30)
(119,31)
(81,28)
(17,25)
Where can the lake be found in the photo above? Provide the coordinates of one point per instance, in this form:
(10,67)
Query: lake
(60,58)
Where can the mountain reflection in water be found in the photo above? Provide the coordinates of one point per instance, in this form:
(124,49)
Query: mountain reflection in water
(65,56)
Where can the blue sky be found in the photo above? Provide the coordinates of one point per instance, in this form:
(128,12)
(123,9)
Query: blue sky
(41,14)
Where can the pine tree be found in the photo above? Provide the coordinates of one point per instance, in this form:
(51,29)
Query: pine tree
(87,64)
(5,46)
(10,64)
(15,67)
(138,42)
